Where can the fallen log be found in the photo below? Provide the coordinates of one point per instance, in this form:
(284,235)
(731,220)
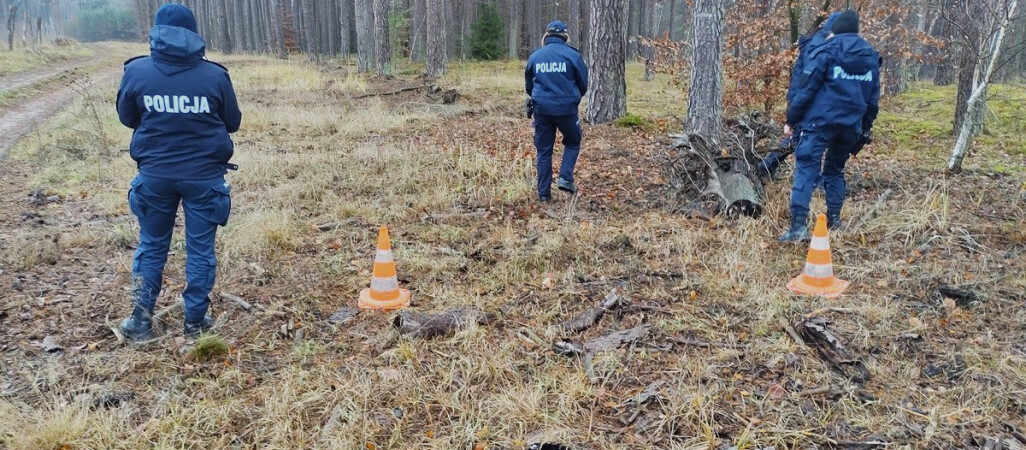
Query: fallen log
(589,318)
(426,326)
(612,341)
(829,347)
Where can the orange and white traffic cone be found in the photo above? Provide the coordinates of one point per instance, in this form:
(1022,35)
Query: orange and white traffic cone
(384,292)
(818,277)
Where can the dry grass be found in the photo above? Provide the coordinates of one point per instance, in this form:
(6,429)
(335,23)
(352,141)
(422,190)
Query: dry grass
(310,153)
(29,58)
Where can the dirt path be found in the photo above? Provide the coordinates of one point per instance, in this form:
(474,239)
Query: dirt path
(18,80)
(18,121)
(22,118)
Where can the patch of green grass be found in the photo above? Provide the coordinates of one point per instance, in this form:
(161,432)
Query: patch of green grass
(209,346)
(631,121)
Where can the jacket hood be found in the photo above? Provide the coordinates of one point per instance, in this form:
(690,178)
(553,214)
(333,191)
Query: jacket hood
(175,49)
(860,57)
(820,37)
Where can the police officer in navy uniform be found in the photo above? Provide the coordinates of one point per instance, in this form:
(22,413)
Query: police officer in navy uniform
(182,109)
(834,111)
(556,80)
(806,45)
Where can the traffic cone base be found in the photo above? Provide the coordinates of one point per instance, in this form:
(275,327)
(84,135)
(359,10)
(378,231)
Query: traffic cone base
(400,302)
(384,292)
(818,276)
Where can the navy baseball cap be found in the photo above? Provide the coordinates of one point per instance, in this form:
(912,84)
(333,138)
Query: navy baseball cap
(557,26)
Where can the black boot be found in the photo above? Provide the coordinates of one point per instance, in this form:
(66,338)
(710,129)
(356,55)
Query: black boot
(833,220)
(194,329)
(799,232)
(139,326)
(566,186)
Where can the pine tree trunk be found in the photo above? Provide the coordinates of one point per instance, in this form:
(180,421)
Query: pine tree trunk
(418,30)
(220,8)
(10,27)
(673,20)
(633,12)
(514,22)
(365,35)
(238,31)
(607,49)
(436,39)
(279,32)
(705,92)
(382,43)
(345,22)
(574,23)
(309,25)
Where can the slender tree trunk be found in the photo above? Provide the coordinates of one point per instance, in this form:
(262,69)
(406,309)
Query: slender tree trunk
(345,23)
(633,12)
(277,22)
(10,27)
(382,42)
(607,49)
(990,56)
(574,22)
(673,20)
(514,21)
(418,30)
(365,35)
(436,34)
(705,92)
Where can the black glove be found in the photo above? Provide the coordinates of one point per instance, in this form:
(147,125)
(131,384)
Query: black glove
(865,139)
(529,108)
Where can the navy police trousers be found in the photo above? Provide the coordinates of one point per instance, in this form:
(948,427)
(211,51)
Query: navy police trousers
(545,139)
(207,205)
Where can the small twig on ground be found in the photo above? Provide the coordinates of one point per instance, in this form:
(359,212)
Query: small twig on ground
(702,344)
(469,215)
(791,331)
(397,91)
(824,310)
(872,211)
(177,304)
(819,391)
(238,300)
(589,367)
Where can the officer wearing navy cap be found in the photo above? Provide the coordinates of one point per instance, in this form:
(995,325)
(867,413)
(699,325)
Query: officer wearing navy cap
(556,79)
(182,109)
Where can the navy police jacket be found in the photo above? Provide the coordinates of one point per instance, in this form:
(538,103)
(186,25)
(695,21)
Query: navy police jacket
(181,107)
(840,86)
(806,45)
(556,78)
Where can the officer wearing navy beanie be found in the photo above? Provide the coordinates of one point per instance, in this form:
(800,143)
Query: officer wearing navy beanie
(556,79)
(834,111)
(182,109)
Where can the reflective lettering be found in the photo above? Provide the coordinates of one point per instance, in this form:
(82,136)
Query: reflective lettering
(177,104)
(839,73)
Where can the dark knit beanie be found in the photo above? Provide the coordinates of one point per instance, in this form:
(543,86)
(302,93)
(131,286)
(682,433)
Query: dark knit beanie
(846,22)
(175,15)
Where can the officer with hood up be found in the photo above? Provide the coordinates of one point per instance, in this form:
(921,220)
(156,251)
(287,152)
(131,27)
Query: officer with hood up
(556,80)
(834,110)
(806,45)
(182,109)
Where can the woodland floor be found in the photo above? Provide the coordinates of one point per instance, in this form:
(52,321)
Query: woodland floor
(454,182)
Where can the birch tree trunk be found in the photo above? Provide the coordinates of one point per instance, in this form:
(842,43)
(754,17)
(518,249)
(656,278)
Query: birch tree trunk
(382,43)
(705,92)
(436,39)
(607,49)
(990,53)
